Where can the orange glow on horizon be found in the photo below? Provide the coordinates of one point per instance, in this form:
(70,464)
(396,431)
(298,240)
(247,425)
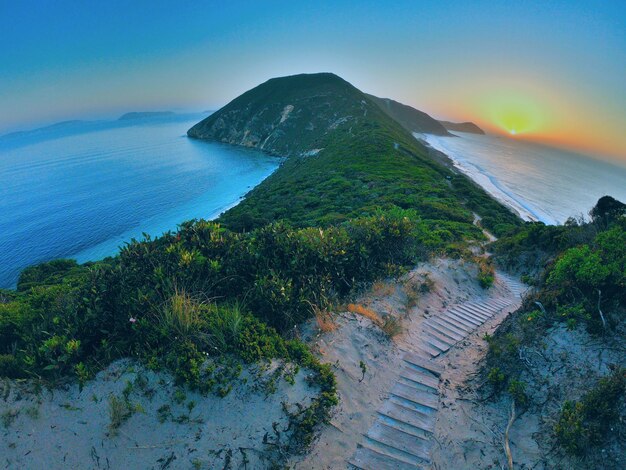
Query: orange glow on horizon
(537,112)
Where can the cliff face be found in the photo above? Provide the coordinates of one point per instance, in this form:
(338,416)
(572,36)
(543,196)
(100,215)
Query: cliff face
(463,127)
(413,120)
(287,116)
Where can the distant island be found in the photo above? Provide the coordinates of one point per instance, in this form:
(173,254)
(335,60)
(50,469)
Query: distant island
(469,127)
(145,114)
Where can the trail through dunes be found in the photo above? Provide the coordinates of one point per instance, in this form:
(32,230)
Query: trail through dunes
(391,389)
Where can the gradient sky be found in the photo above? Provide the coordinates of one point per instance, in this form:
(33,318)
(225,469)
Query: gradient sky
(553,71)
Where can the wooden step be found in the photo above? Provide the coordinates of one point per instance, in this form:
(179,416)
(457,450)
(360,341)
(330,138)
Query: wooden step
(471,314)
(424,378)
(444,331)
(423,363)
(458,316)
(366,458)
(428,348)
(420,423)
(461,329)
(478,311)
(404,442)
(443,346)
(426,399)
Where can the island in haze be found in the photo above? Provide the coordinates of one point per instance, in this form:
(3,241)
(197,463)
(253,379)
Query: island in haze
(359,273)
(144,115)
(462,127)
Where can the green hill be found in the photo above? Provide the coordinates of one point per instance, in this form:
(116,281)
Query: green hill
(347,157)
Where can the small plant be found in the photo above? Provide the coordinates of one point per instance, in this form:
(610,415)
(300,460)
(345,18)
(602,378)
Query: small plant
(486,273)
(497,378)
(363,370)
(517,389)
(179,396)
(412,292)
(82,373)
(9,416)
(164,413)
(180,316)
(391,325)
(119,411)
(585,423)
(324,319)
(382,289)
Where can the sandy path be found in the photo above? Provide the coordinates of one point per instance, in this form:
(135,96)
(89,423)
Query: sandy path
(401,436)
(387,416)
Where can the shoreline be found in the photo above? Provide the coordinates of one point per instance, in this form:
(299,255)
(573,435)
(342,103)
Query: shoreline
(486,181)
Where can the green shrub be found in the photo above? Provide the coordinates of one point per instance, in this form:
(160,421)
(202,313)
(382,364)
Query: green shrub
(496,378)
(585,423)
(517,390)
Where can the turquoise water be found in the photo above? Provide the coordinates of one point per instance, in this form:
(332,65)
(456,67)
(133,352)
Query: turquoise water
(80,190)
(539,182)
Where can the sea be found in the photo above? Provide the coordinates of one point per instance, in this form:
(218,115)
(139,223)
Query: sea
(82,189)
(538,182)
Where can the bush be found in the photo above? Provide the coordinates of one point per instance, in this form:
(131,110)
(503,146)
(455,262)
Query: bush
(586,422)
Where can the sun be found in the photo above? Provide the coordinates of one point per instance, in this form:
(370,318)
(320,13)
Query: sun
(512,132)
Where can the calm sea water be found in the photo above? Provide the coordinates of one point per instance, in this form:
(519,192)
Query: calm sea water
(80,190)
(540,183)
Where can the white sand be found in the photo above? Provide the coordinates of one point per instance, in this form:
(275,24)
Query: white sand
(70,429)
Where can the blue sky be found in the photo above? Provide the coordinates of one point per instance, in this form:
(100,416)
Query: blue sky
(70,59)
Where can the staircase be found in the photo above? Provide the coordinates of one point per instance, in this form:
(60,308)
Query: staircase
(400,439)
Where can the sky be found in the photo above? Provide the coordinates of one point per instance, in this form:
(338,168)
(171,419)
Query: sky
(551,71)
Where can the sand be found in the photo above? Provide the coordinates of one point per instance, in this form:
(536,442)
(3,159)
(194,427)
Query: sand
(470,426)
(69,428)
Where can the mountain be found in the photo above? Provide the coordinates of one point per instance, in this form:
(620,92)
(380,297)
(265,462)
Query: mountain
(462,127)
(413,120)
(145,114)
(286,116)
(346,157)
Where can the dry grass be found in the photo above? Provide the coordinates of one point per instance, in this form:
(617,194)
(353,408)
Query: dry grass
(180,314)
(411,290)
(324,320)
(365,312)
(389,324)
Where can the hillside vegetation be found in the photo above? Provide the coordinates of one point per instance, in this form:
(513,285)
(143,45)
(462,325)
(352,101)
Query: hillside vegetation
(357,199)
(347,158)
(577,307)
